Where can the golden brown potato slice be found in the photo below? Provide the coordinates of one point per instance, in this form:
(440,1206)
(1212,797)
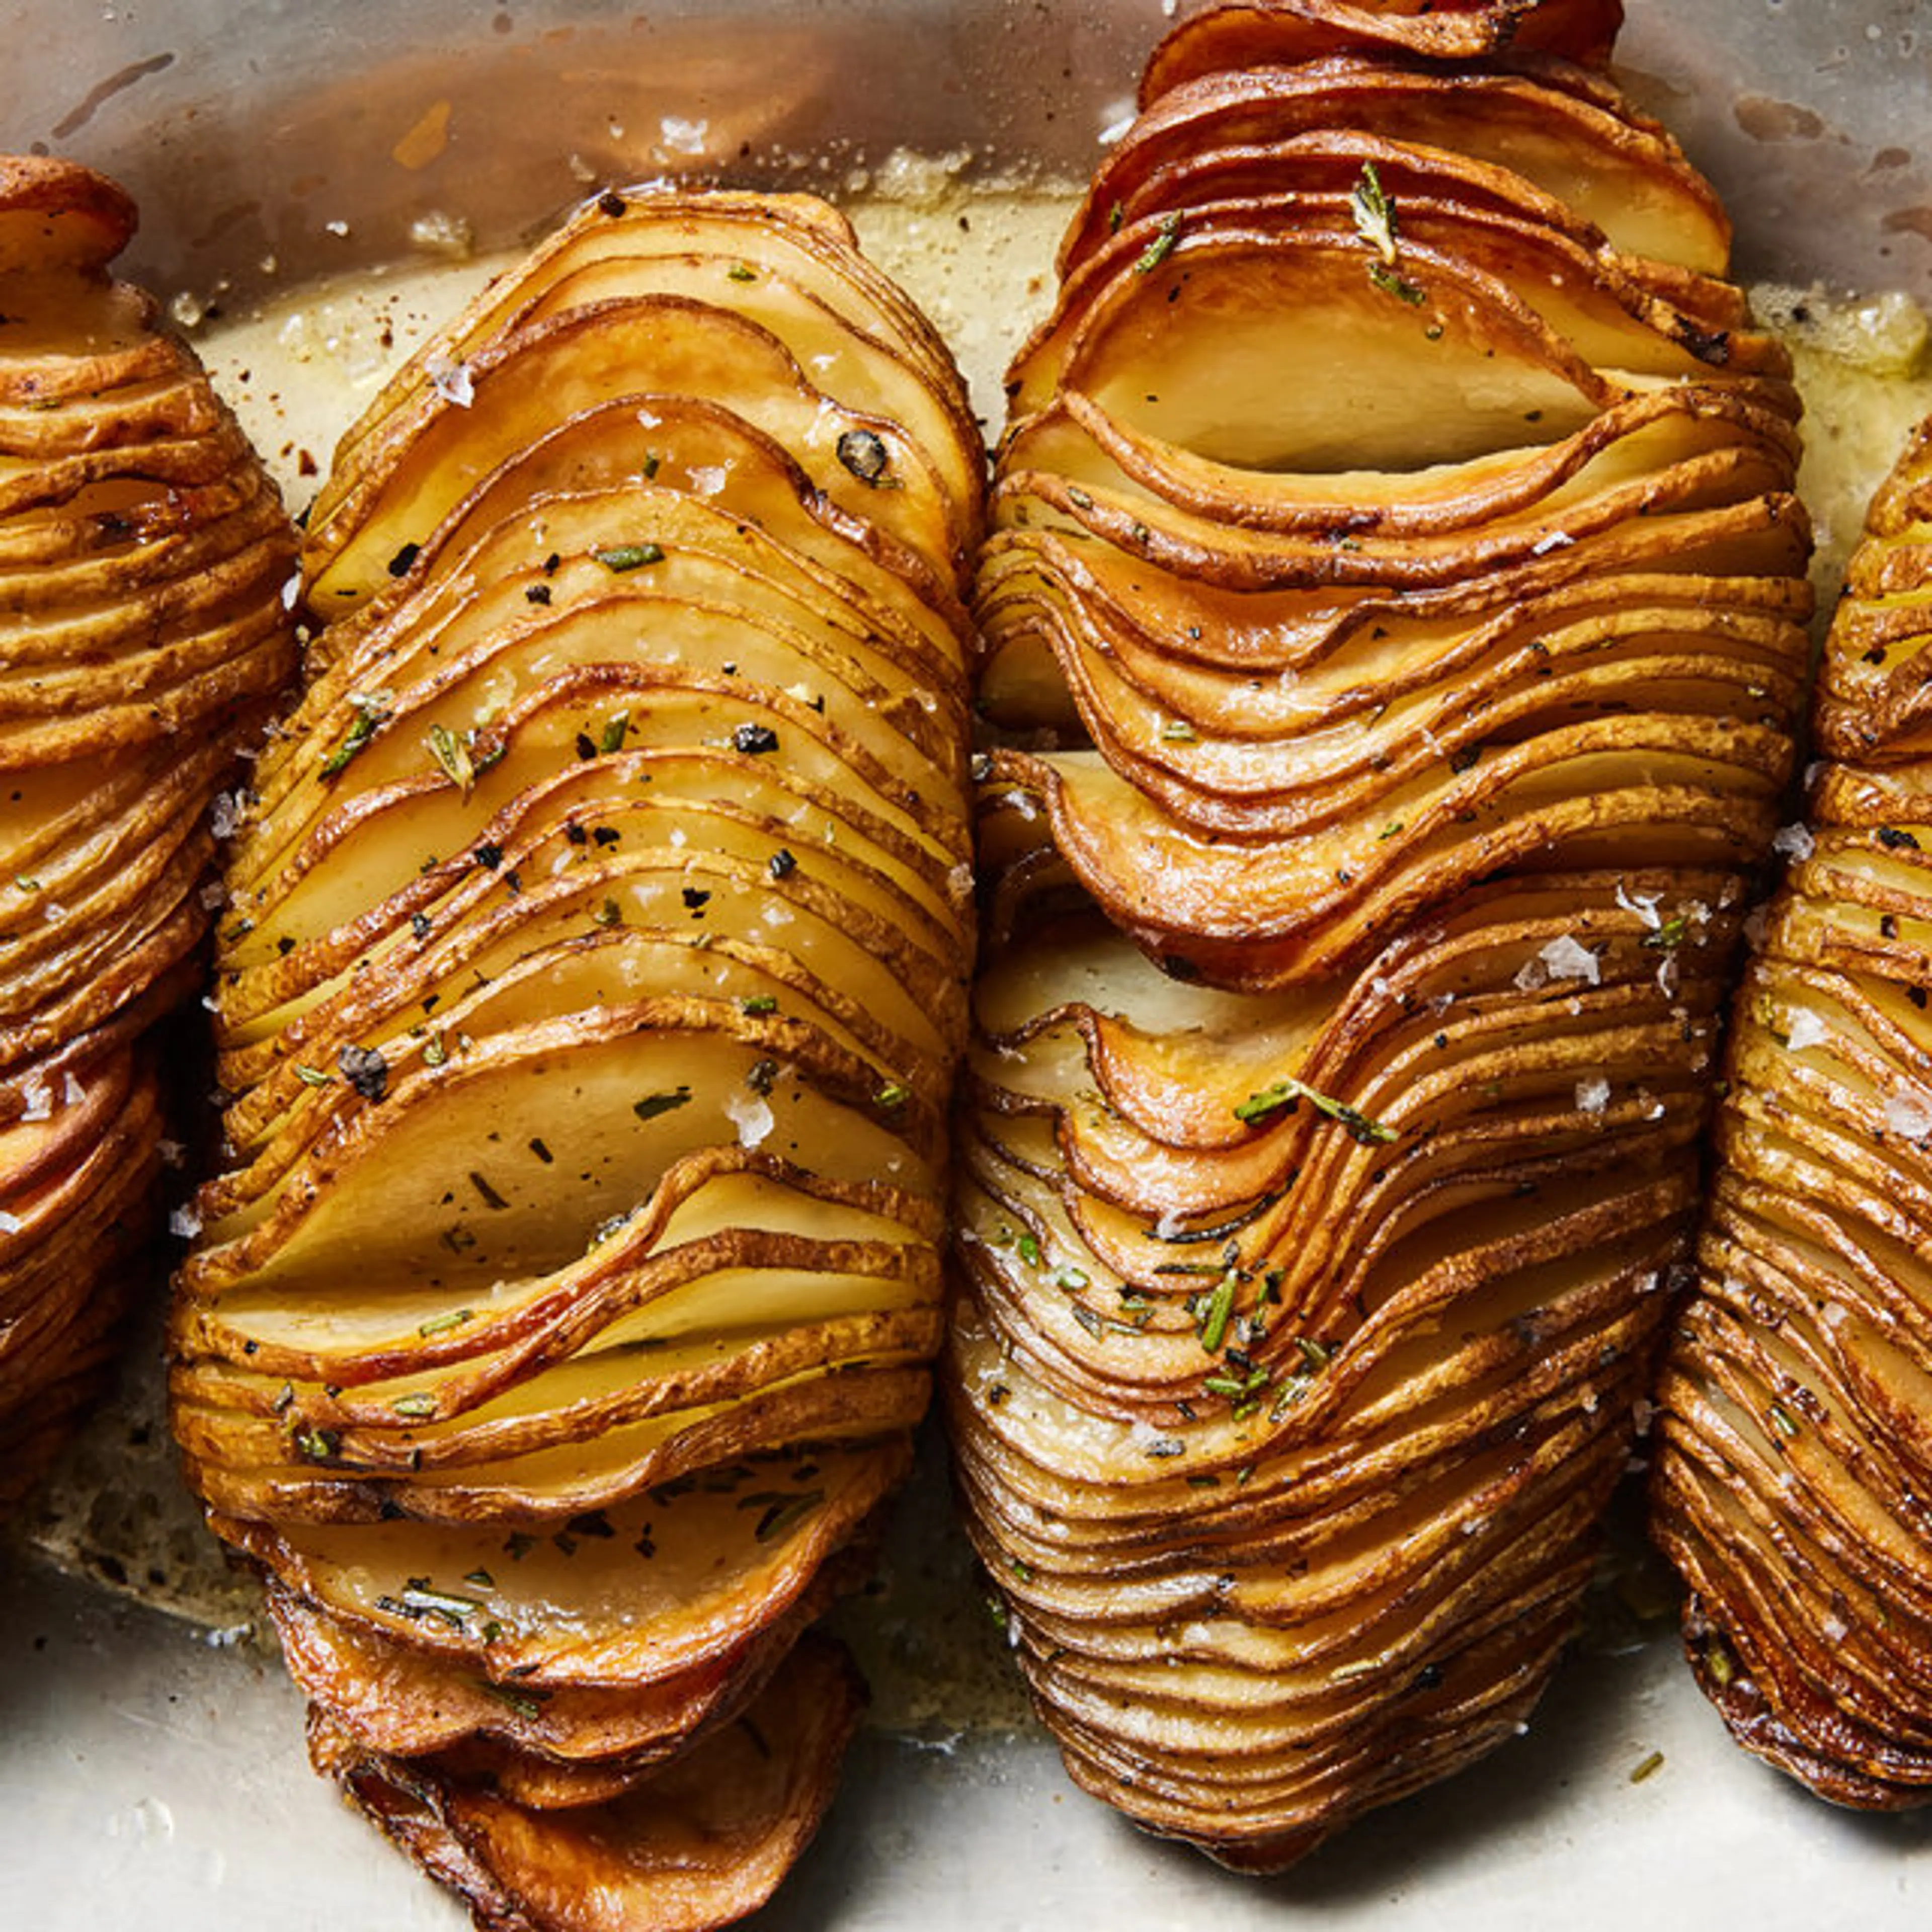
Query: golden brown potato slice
(1228,39)
(703,1842)
(1568,146)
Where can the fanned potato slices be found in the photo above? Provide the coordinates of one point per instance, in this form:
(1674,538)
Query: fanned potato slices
(143,557)
(1791,1476)
(1394,625)
(588,1008)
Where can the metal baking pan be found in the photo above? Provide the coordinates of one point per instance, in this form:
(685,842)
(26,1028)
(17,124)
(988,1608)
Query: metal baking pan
(152,1769)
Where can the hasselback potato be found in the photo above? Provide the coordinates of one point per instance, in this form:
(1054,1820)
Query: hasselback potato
(1394,617)
(143,557)
(594,974)
(1790,1485)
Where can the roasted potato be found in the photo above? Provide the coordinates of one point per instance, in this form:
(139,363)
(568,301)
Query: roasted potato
(594,978)
(1792,1414)
(1394,624)
(143,557)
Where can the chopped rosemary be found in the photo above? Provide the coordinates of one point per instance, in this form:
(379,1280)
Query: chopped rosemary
(621,557)
(524,1703)
(372,713)
(1287,1091)
(1391,283)
(1212,1327)
(1374,213)
(780,1517)
(1157,251)
(653,1105)
(453,755)
(420,1597)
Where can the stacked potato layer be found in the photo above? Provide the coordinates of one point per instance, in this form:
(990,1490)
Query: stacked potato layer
(601,916)
(142,560)
(1792,1482)
(1395,614)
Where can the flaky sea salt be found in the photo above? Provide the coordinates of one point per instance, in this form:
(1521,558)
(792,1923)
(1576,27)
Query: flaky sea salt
(680,136)
(750,1116)
(450,380)
(1564,958)
(1593,1096)
(1793,842)
(1907,1113)
(1644,905)
(1807,1029)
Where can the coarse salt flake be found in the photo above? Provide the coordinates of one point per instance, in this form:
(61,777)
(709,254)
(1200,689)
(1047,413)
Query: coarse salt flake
(184,1222)
(1563,958)
(1793,842)
(1644,905)
(751,1117)
(1593,1096)
(1807,1029)
(1908,1113)
(450,380)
